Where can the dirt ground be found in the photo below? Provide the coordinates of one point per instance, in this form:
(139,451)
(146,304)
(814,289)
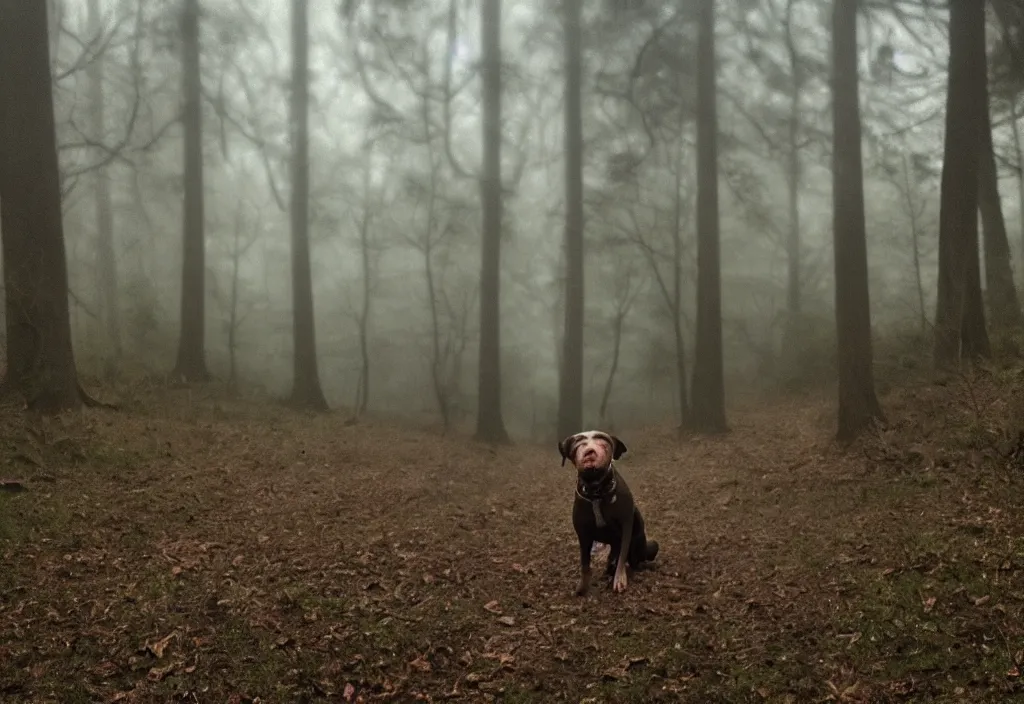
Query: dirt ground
(192,549)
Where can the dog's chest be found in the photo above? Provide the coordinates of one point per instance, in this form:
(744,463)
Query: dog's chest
(599,508)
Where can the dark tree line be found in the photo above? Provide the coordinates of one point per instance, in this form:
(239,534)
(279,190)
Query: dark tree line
(40,358)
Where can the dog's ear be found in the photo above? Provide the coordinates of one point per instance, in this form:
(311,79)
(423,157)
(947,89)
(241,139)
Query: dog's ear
(565,447)
(618,448)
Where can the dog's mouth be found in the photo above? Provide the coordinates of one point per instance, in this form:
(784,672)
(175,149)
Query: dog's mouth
(592,474)
(590,458)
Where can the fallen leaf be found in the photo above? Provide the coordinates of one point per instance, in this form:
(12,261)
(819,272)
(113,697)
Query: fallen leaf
(349,692)
(176,570)
(507,620)
(928,604)
(1013,672)
(636,662)
(158,674)
(421,664)
(982,600)
(503,658)
(157,649)
(614,673)
(106,669)
(493,607)
(428,578)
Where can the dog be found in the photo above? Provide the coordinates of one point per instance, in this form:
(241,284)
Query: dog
(604,509)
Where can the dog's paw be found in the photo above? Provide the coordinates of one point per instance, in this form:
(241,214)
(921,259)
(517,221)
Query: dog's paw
(583,585)
(619,585)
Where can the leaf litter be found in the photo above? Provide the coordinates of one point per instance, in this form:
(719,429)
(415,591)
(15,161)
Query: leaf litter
(245,553)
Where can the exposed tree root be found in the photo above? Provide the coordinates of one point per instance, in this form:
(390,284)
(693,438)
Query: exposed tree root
(9,391)
(90,402)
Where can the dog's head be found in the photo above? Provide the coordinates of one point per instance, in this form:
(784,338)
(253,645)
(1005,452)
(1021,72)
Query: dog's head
(591,449)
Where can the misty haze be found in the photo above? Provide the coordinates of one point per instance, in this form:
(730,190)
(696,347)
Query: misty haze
(512,350)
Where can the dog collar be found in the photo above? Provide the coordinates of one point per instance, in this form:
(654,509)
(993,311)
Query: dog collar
(598,490)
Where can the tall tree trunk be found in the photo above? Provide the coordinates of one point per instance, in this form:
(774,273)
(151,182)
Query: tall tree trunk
(958,216)
(570,398)
(1019,151)
(236,260)
(858,404)
(191,362)
(306,391)
(915,241)
(1002,292)
(363,394)
(490,426)
(973,333)
(606,395)
(676,302)
(106,260)
(708,386)
(793,329)
(40,359)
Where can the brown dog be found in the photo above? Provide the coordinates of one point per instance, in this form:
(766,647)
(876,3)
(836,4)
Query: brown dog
(604,509)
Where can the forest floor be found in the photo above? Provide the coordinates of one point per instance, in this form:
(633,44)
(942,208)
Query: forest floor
(193,549)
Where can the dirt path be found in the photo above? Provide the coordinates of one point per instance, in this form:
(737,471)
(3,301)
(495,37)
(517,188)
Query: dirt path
(211,553)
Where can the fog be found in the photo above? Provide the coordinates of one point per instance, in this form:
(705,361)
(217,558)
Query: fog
(378,76)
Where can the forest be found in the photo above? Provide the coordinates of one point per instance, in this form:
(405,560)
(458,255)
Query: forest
(300,296)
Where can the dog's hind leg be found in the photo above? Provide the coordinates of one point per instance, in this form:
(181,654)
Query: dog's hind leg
(637,550)
(619,581)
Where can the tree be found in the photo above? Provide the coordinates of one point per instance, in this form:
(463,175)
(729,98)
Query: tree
(306,391)
(106,260)
(708,386)
(793,183)
(1002,292)
(1008,70)
(191,361)
(960,315)
(570,396)
(490,426)
(858,404)
(40,359)
(364,225)
(240,246)
(627,287)
(438,220)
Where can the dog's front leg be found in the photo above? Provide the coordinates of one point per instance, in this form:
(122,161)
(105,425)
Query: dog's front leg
(619,582)
(586,546)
